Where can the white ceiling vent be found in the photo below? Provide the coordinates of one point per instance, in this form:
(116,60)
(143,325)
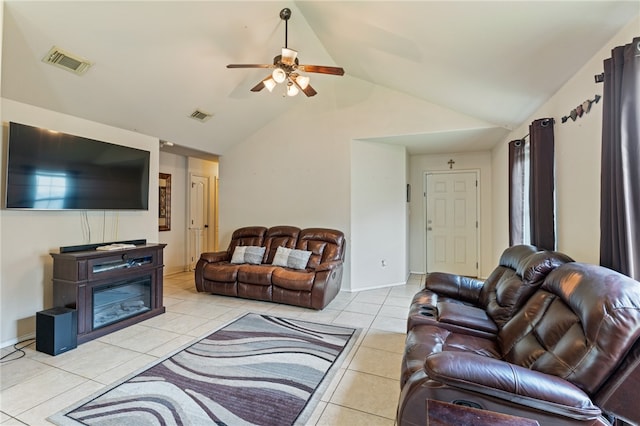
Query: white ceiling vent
(67,61)
(200,115)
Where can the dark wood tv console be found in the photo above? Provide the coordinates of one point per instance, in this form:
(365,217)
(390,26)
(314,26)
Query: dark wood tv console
(110,290)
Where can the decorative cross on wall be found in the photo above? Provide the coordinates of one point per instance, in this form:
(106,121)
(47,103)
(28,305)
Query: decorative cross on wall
(451,163)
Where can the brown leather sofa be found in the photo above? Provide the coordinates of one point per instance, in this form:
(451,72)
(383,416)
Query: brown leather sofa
(566,351)
(312,284)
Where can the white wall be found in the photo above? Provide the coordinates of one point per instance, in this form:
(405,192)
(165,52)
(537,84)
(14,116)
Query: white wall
(378,215)
(175,252)
(1,175)
(29,236)
(577,145)
(419,164)
(297,169)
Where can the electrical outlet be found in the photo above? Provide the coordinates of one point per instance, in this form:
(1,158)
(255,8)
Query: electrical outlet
(383,262)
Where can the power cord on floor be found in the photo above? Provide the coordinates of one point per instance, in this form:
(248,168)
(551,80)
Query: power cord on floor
(17,350)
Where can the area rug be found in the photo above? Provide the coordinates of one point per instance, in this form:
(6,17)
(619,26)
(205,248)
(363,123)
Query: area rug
(257,370)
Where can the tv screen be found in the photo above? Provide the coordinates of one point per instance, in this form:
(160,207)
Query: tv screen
(49,170)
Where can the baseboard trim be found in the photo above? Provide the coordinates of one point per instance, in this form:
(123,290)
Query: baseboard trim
(12,342)
(375,287)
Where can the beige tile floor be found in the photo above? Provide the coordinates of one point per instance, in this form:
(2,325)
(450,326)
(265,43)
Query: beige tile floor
(365,390)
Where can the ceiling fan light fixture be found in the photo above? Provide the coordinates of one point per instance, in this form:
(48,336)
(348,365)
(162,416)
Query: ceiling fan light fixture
(292,89)
(302,81)
(288,56)
(279,75)
(269,84)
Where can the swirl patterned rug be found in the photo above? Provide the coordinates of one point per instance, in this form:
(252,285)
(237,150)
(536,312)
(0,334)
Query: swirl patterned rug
(257,370)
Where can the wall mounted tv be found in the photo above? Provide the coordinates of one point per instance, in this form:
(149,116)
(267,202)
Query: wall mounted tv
(56,171)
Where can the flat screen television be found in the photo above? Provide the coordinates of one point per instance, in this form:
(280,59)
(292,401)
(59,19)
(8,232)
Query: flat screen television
(56,171)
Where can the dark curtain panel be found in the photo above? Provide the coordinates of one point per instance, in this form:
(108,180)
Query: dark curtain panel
(516,191)
(542,182)
(620,169)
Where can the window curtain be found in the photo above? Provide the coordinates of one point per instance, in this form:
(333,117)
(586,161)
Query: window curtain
(518,193)
(542,183)
(620,166)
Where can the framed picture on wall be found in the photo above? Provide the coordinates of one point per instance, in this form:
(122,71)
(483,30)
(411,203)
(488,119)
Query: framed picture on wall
(164,199)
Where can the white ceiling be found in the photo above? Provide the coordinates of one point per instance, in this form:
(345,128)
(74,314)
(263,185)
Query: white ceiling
(155,62)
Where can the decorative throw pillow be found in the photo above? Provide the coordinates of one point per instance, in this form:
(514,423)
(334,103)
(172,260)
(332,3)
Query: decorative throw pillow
(298,259)
(238,254)
(282,254)
(295,259)
(254,254)
(248,254)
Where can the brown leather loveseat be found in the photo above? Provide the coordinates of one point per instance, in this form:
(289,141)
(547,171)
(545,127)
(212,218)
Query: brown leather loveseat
(566,347)
(283,264)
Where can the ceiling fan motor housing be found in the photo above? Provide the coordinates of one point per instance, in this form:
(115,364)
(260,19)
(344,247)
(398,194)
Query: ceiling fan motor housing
(285,14)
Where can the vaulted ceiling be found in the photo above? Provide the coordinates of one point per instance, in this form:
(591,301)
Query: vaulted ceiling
(155,62)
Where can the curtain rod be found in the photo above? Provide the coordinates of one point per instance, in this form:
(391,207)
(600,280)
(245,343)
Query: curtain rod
(545,123)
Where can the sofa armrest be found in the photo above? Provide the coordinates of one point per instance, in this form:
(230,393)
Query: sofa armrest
(459,287)
(215,257)
(510,382)
(328,266)
(326,283)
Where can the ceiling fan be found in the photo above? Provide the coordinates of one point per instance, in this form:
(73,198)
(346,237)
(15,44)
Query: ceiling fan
(286,68)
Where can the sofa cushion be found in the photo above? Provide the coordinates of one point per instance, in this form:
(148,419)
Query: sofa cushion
(290,258)
(256,274)
(222,272)
(466,316)
(424,340)
(293,280)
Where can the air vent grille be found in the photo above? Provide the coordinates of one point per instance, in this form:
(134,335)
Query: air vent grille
(67,61)
(200,115)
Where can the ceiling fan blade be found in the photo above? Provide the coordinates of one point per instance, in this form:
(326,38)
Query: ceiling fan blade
(302,83)
(309,91)
(250,66)
(258,87)
(267,82)
(321,69)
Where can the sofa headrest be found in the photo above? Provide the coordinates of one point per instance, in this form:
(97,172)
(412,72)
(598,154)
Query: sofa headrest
(247,236)
(325,245)
(279,236)
(514,256)
(606,302)
(578,325)
(514,286)
(535,268)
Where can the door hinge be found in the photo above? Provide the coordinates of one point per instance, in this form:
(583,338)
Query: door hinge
(476,183)
(476,223)
(476,265)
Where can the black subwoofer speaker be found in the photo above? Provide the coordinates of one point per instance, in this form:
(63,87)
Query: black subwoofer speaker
(56,330)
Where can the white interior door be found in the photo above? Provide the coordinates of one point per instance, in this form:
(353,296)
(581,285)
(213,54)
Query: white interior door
(198,218)
(452,222)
